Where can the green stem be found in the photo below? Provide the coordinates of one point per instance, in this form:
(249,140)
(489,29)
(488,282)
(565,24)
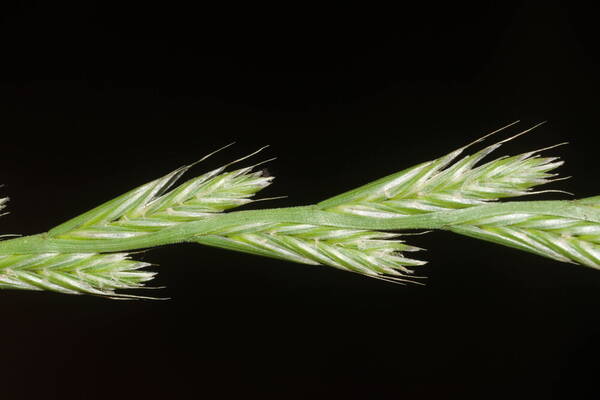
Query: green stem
(191,231)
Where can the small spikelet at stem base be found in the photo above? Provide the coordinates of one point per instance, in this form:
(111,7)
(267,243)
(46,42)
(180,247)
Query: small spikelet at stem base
(74,273)
(446,184)
(370,253)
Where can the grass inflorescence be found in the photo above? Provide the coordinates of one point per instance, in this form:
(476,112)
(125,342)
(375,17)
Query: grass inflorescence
(357,231)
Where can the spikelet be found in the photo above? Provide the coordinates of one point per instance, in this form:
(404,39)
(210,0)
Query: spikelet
(439,185)
(152,207)
(73,273)
(572,239)
(370,253)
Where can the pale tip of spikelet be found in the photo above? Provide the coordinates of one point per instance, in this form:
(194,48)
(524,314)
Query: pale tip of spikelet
(3,202)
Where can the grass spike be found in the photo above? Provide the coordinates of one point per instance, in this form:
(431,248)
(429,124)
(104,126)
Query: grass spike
(357,231)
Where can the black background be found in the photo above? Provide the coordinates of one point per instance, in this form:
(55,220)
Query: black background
(97,98)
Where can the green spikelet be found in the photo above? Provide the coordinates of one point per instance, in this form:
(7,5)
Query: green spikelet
(74,273)
(151,207)
(371,253)
(569,238)
(439,185)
